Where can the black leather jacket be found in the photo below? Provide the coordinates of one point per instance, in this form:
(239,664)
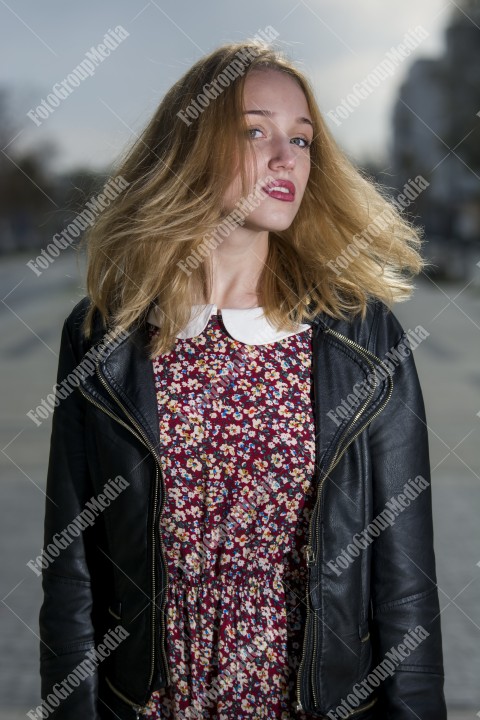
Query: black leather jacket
(360,605)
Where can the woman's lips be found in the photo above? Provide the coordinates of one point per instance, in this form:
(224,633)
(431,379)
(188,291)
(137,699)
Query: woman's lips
(281,190)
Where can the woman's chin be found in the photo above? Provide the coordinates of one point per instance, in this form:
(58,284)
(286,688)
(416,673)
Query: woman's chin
(272,223)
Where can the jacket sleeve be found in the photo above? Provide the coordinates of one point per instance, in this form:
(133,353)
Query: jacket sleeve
(68,689)
(404,593)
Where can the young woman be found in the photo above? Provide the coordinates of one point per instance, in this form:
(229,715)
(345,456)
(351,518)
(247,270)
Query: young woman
(238,522)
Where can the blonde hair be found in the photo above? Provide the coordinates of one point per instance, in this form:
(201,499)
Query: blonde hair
(177,172)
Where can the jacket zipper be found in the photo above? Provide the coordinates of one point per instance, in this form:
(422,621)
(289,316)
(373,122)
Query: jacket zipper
(311,556)
(157,467)
(144,440)
(139,709)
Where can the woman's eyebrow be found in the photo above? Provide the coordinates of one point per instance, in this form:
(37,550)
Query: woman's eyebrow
(270,113)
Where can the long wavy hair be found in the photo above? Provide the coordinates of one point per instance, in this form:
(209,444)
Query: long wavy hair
(177,171)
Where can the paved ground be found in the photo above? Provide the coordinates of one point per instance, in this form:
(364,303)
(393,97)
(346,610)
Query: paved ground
(448,363)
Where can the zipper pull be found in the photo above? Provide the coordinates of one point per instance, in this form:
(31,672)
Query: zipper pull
(299,706)
(310,555)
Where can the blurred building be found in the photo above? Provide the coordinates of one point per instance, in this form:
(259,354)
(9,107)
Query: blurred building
(436,134)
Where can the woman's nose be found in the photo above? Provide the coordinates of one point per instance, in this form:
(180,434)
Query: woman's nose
(282,153)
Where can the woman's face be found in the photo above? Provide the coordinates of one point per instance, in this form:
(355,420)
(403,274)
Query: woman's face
(280,132)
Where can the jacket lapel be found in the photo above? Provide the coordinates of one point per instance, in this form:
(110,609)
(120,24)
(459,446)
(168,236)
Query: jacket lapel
(125,384)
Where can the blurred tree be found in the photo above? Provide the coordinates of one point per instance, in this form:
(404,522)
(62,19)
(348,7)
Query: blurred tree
(26,186)
(34,202)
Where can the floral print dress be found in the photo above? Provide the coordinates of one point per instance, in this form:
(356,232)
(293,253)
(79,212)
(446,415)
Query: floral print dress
(238,440)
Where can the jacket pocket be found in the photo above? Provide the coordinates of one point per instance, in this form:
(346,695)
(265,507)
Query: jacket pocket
(365,659)
(349,658)
(115,609)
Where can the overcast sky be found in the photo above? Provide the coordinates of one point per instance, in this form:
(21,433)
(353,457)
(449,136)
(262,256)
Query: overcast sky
(336,42)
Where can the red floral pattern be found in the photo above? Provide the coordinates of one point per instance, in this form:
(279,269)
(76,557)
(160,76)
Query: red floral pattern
(237,433)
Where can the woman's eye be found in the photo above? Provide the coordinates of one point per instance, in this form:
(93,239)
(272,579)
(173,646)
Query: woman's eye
(306,142)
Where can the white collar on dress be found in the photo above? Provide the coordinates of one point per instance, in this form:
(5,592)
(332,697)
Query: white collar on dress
(248,325)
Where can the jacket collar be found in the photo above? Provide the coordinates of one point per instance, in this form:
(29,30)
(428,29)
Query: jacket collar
(247,325)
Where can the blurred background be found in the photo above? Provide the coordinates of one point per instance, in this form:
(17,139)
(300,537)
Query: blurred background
(399,85)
